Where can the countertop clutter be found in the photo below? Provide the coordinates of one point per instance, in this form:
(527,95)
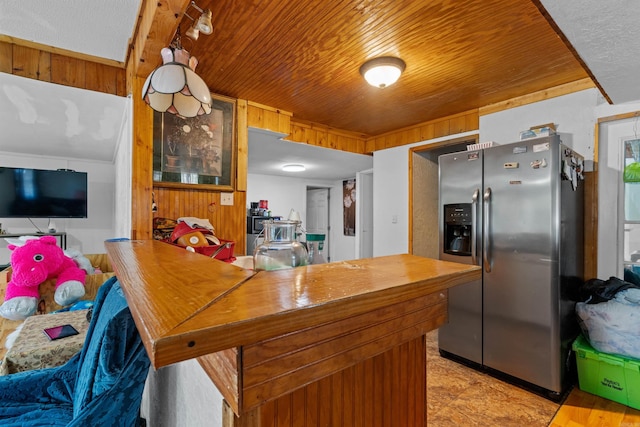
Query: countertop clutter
(195,235)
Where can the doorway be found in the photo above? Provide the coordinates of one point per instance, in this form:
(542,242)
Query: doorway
(317,218)
(364,214)
(611,248)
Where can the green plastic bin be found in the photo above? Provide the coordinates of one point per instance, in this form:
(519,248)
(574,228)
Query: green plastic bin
(606,375)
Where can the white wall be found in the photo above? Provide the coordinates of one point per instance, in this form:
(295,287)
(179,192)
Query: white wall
(181,395)
(87,234)
(124,176)
(573,115)
(285,193)
(391,198)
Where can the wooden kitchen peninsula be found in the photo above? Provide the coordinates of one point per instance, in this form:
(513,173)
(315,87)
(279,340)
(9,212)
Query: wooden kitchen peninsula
(339,344)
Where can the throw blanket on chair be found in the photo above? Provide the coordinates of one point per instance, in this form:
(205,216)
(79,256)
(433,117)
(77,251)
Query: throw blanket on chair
(100,386)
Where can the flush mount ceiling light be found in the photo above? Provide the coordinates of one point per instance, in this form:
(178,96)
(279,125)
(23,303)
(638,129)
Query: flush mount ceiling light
(174,87)
(293,168)
(382,72)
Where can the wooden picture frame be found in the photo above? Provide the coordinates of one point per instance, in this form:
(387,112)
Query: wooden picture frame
(196,152)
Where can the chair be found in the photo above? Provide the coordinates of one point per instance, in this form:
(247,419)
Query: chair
(100,386)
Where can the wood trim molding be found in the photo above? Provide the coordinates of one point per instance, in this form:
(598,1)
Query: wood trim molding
(616,117)
(591,220)
(457,123)
(553,92)
(62,52)
(141,165)
(33,63)
(325,136)
(269,118)
(156,26)
(242,156)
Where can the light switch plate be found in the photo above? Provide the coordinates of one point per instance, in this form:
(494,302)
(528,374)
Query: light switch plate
(226,199)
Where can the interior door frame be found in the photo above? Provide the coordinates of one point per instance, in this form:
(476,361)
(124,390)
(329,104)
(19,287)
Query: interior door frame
(592,200)
(327,241)
(364,214)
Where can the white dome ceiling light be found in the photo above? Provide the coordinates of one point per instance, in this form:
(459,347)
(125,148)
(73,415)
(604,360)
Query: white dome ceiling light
(294,168)
(383,71)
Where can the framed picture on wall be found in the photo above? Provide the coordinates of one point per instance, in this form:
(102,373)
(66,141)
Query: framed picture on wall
(196,152)
(349,207)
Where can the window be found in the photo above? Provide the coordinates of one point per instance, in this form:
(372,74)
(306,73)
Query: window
(631,180)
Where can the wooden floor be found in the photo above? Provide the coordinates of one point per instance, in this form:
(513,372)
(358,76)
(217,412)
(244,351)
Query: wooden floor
(461,396)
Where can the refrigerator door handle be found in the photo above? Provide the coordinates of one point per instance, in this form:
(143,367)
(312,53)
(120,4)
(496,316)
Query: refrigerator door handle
(474,222)
(486,234)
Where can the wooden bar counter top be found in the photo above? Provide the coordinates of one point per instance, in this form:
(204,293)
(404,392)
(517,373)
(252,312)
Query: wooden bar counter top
(335,344)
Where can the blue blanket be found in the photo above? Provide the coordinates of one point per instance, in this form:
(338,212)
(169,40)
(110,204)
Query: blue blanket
(100,386)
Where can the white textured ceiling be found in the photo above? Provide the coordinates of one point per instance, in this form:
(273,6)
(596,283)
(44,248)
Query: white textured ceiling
(51,120)
(267,155)
(98,28)
(606,35)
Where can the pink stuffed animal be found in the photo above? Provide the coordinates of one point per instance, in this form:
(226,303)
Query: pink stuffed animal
(32,264)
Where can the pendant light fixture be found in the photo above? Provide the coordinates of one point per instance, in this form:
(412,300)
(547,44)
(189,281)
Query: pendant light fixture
(174,87)
(383,71)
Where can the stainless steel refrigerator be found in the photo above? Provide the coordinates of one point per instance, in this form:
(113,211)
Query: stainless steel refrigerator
(517,211)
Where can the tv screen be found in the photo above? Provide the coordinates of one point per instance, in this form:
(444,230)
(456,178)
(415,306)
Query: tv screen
(36,193)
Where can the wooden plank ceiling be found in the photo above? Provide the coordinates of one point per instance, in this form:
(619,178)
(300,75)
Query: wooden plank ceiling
(303,56)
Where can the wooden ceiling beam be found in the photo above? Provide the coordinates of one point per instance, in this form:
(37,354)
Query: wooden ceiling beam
(59,51)
(157,24)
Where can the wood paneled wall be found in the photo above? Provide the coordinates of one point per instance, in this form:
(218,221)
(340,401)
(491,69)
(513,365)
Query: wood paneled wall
(269,118)
(324,136)
(51,67)
(463,122)
(228,221)
(351,397)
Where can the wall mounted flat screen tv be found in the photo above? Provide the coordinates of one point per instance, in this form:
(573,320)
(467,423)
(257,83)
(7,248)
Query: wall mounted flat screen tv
(37,193)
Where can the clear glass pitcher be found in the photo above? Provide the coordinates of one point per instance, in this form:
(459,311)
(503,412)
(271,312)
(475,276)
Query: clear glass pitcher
(315,245)
(280,248)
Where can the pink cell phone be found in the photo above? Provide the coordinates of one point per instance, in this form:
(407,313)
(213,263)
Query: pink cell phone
(61,331)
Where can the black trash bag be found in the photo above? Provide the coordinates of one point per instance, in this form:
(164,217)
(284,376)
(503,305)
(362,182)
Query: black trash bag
(595,291)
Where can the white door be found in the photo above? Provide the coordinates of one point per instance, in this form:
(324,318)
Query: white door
(364,214)
(317,221)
